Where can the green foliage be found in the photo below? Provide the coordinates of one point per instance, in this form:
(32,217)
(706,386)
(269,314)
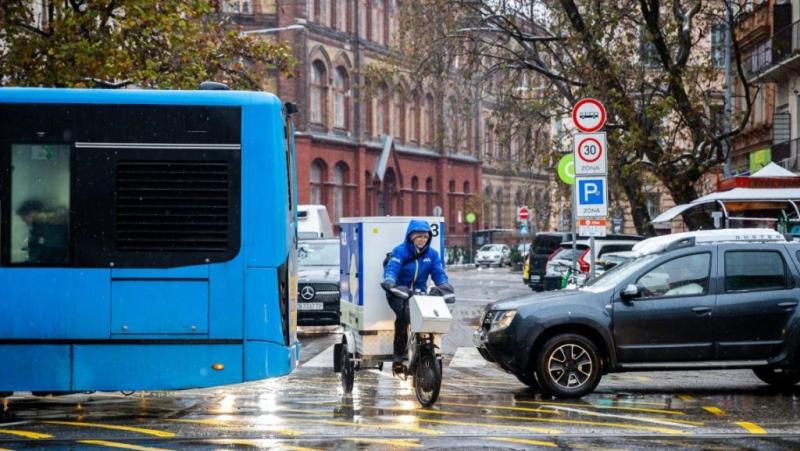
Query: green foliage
(149,43)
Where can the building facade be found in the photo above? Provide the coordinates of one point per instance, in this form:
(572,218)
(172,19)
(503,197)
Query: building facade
(776,64)
(343,122)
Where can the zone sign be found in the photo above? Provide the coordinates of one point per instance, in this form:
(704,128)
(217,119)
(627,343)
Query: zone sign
(590,154)
(589,115)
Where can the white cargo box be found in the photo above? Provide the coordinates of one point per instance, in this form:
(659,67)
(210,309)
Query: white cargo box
(429,314)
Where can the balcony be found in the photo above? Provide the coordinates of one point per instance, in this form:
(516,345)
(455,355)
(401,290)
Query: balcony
(776,59)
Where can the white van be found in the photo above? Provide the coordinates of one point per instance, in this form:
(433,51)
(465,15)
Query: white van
(313,222)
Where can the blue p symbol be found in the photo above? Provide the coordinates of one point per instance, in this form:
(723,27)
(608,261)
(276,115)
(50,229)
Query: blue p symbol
(591,192)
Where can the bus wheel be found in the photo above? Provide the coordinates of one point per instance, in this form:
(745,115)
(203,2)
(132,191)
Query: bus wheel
(348,369)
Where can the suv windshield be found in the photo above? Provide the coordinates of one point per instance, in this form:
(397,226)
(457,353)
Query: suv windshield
(310,253)
(617,274)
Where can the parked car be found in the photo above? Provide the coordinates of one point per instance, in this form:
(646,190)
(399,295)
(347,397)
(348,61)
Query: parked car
(318,282)
(699,300)
(544,243)
(313,222)
(559,263)
(493,254)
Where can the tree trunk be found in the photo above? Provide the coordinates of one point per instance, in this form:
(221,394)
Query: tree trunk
(632,186)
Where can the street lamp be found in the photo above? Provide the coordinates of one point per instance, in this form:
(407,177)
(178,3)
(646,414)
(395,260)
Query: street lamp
(293,27)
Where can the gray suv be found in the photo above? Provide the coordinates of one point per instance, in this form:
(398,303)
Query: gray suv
(698,300)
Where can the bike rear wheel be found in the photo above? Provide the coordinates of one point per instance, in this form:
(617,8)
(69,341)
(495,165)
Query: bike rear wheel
(427,378)
(348,370)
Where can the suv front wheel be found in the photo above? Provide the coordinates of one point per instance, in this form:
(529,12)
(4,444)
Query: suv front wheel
(777,377)
(568,366)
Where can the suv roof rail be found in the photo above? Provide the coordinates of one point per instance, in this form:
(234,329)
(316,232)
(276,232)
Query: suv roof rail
(689,239)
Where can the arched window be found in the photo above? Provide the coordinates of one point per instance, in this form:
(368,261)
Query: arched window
(429,121)
(489,139)
(317,179)
(499,202)
(429,194)
(341,99)
(382,111)
(466,188)
(412,119)
(450,124)
(340,179)
(487,205)
(399,119)
(318,92)
(415,195)
(389,193)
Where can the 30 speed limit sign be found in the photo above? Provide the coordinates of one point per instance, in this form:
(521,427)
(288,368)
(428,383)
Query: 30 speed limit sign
(590,154)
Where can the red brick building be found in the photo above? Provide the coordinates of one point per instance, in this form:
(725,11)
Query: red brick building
(340,127)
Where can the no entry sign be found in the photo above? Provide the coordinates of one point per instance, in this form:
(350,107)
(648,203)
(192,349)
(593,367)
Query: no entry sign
(589,115)
(590,154)
(523,214)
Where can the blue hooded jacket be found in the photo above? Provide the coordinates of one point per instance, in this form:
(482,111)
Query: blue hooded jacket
(408,266)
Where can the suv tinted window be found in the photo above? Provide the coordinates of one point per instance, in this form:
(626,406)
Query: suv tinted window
(682,276)
(545,244)
(754,270)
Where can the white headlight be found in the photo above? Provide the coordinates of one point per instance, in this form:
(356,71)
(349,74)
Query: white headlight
(502,320)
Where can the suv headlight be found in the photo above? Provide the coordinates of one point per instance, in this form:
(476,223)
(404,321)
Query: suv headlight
(502,320)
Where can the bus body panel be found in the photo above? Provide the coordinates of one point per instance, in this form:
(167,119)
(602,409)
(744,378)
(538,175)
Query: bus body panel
(35,368)
(155,367)
(51,303)
(155,307)
(265,359)
(261,306)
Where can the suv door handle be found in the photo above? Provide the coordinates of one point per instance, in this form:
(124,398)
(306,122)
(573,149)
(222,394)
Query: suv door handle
(789,305)
(701,310)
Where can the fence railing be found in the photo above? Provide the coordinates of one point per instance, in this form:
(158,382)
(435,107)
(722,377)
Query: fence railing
(782,45)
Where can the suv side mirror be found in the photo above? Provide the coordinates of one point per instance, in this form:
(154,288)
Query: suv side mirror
(631,291)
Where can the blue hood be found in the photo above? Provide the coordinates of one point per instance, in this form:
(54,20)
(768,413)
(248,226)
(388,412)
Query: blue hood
(417,225)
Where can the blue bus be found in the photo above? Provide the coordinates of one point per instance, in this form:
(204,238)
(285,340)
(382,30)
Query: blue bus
(147,239)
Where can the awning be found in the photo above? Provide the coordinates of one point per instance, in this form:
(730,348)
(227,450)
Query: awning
(789,195)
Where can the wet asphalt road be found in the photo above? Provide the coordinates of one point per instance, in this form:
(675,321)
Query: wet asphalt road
(479,407)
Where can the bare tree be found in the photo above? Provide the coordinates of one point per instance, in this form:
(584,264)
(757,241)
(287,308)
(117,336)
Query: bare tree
(649,61)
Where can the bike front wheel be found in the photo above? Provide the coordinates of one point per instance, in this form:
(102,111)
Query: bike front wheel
(428,378)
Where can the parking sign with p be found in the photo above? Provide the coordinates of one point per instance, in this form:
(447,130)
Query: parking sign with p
(591,197)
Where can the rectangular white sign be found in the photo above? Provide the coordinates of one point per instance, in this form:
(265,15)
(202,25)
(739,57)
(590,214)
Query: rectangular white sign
(590,152)
(592,227)
(591,197)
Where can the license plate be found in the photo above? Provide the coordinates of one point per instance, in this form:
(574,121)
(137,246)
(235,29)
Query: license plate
(309,306)
(535,278)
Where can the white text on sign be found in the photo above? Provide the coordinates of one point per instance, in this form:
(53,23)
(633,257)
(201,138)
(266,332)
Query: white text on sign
(590,154)
(591,196)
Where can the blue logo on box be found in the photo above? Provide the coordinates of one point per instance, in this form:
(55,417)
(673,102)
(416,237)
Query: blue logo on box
(591,192)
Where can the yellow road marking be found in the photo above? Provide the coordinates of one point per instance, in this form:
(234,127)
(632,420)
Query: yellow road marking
(522,441)
(686,398)
(26,434)
(662,430)
(714,410)
(400,427)
(639,418)
(491,425)
(118,445)
(152,432)
(257,443)
(399,443)
(229,424)
(599,406)
(751,427)
(516,409)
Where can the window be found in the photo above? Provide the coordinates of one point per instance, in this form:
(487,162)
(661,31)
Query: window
(236,6)
(399,119)
(754,270)
(317,177)
(382,111)
(341,15)
(718,45)
(682,276)
(340,176)
(341,106)
(40,197)
(428,121)
(412,118)
(318,99)
(377,21)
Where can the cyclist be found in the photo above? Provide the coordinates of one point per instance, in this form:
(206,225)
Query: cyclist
(407,271)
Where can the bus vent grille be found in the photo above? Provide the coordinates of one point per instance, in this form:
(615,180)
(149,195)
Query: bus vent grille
(177,206)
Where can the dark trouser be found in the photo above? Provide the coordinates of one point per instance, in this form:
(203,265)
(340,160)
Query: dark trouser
(400,308)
